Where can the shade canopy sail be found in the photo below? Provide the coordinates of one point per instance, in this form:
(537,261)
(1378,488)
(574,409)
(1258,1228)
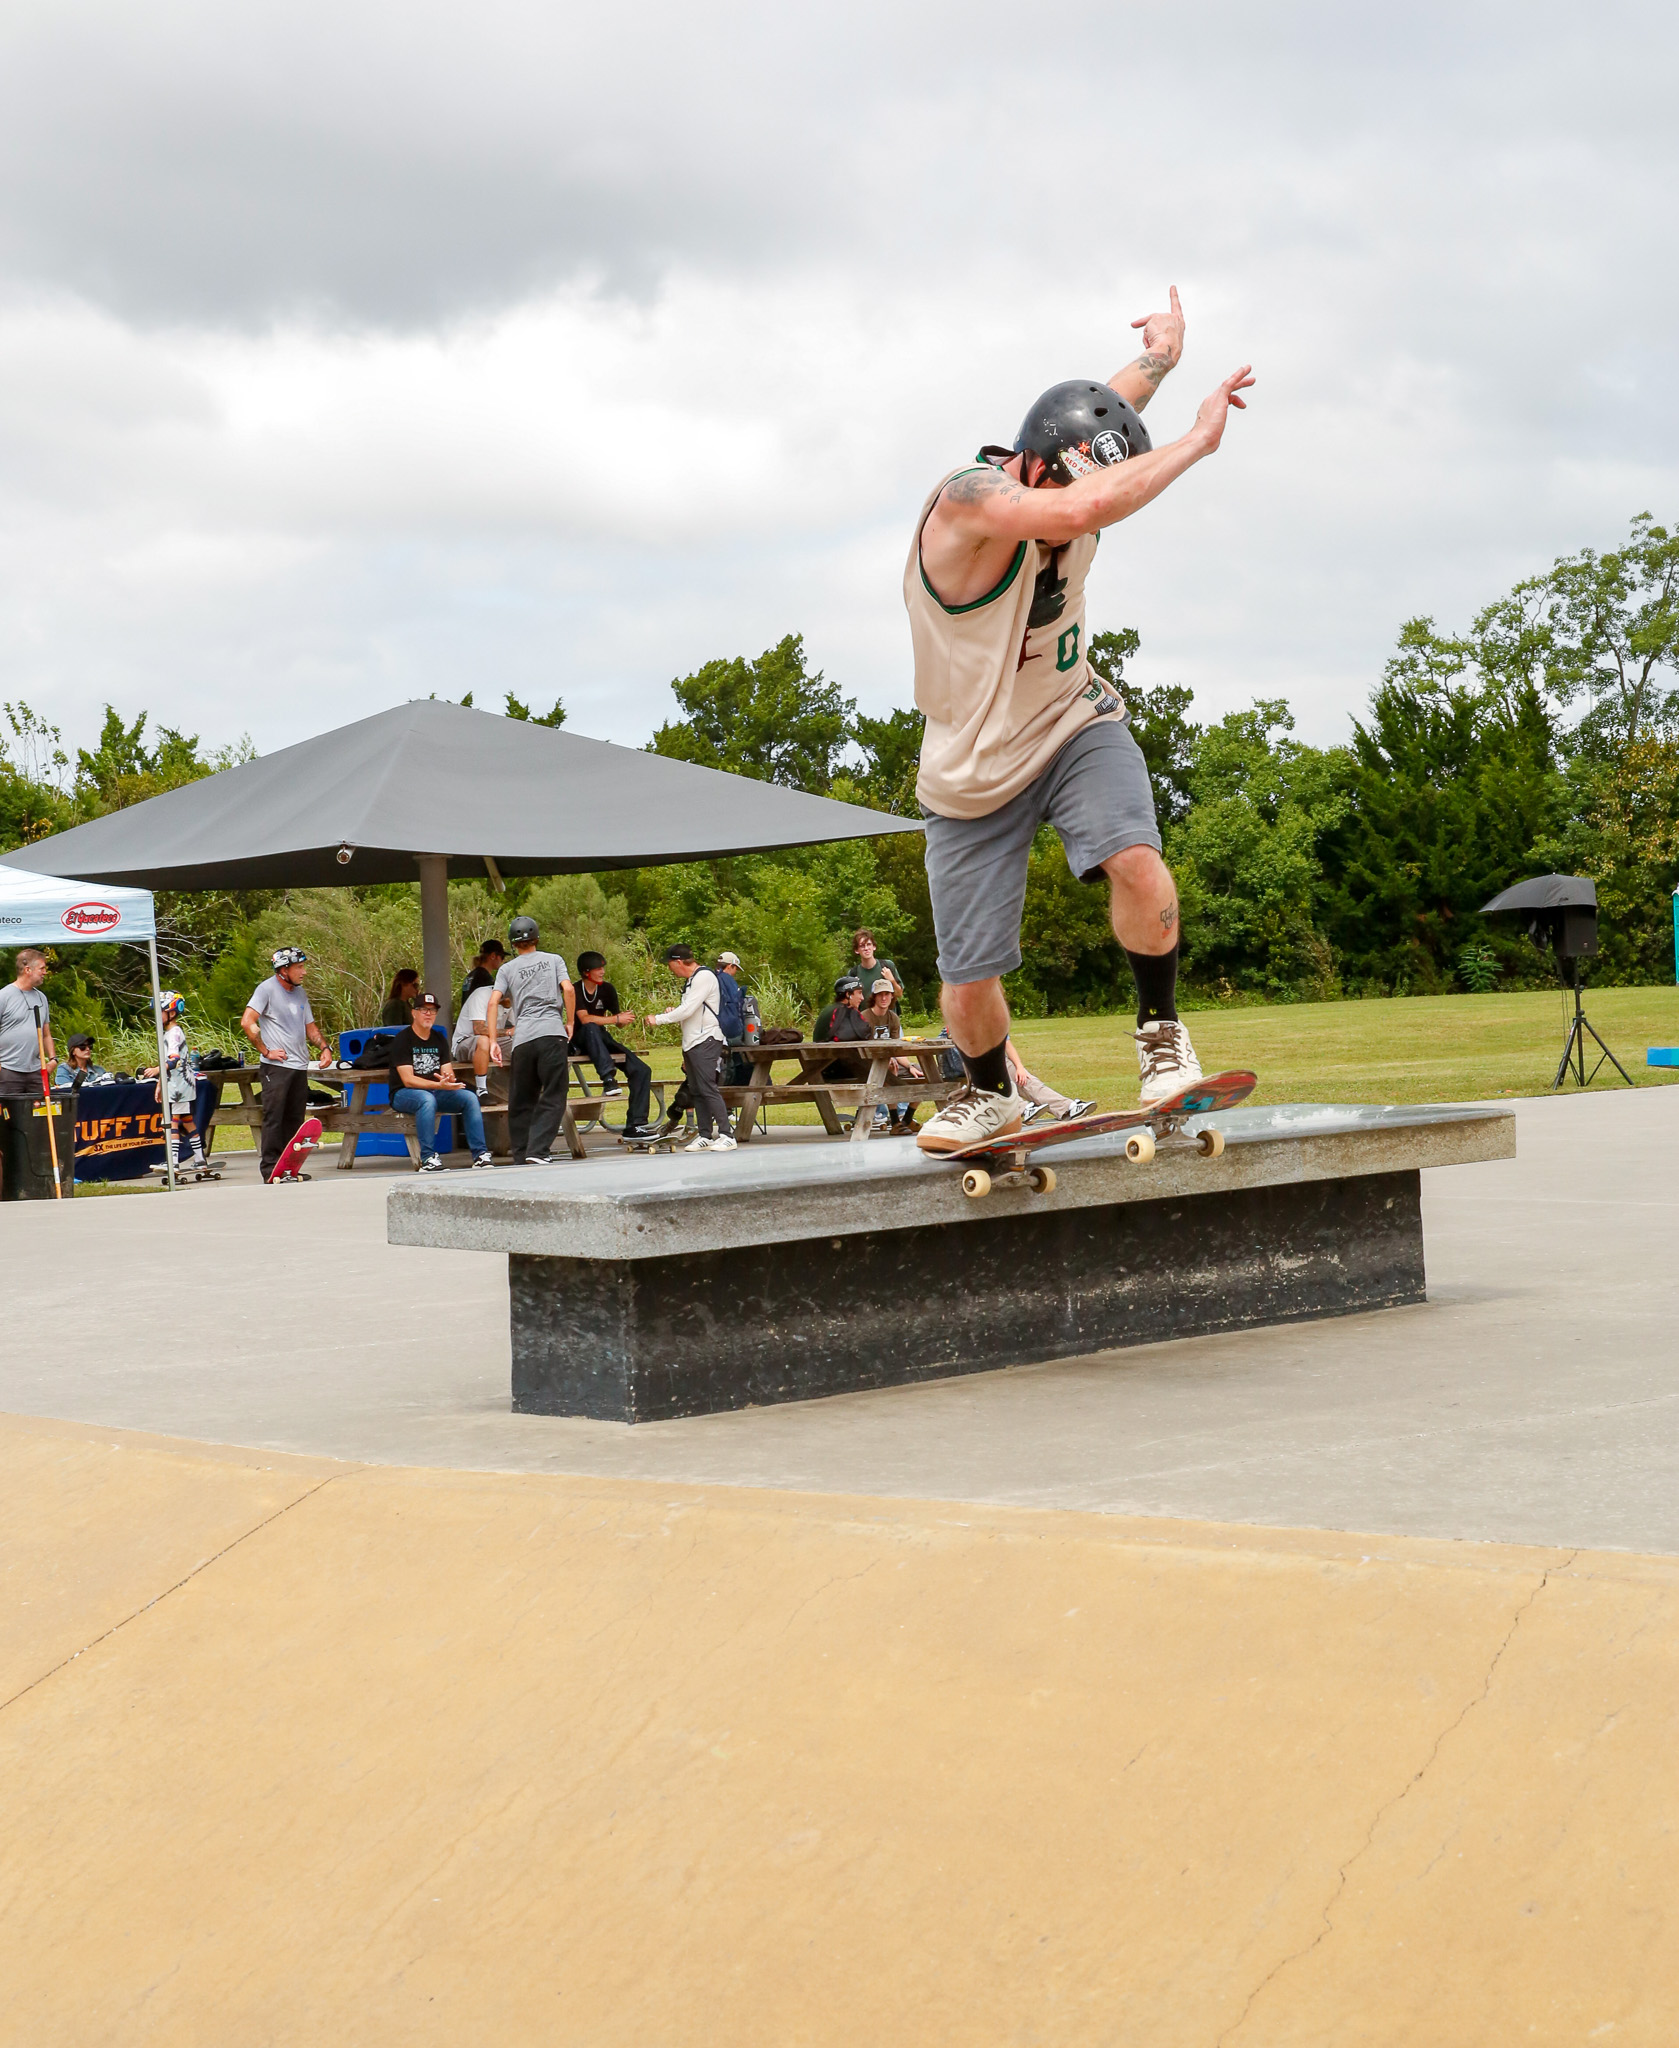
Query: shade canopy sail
(45,910)
(1547,892)
(362,804)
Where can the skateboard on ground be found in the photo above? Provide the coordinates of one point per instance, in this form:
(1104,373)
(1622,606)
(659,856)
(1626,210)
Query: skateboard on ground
(289,1165)
(663,1142)
(1006,1165)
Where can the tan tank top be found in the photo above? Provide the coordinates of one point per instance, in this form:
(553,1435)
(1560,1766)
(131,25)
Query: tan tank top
(1003,682)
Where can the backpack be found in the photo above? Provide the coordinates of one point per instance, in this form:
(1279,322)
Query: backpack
(731,1008)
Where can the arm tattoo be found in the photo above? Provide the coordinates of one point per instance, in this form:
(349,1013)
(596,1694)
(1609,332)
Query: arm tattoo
(971,487)
(1154,367)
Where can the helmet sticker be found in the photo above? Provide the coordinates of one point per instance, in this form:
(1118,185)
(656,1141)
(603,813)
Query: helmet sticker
(1109,447)
(1078,461)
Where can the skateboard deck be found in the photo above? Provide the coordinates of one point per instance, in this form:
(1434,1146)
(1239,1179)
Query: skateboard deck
(292,1160)
(1003,1162)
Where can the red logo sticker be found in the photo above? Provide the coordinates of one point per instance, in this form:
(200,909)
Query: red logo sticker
(84,919)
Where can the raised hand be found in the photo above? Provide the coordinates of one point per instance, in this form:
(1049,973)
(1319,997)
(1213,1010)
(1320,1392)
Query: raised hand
(1214,409)
(1162,339)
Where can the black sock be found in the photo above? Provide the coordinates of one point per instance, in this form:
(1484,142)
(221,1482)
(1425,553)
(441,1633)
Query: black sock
(989,1069)
(1156,976)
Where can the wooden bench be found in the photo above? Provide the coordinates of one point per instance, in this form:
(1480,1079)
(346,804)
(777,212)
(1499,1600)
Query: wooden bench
(588,1105)
(351,1121)
(875,1083)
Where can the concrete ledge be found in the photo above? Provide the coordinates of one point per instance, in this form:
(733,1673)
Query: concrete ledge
(650,1207)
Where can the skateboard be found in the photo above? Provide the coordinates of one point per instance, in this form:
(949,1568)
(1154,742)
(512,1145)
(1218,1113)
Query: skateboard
(1007,1166)
(658,1144)
(290,1162)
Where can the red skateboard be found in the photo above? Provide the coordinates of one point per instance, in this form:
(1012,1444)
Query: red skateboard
(289,1165)
(1150,1128)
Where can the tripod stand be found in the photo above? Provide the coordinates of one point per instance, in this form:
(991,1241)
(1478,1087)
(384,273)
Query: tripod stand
(1574,1045)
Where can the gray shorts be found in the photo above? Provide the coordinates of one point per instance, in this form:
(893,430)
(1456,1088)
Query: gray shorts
(1095,793)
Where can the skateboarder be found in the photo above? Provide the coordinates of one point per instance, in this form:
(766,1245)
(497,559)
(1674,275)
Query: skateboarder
(537,989)
(280,1024)
(176,1090)
(1020,729)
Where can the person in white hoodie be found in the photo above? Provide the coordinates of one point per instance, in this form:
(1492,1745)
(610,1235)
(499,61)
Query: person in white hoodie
(703,1047)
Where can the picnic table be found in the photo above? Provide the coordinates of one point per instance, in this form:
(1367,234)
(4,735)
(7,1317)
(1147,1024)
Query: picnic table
(872,1060)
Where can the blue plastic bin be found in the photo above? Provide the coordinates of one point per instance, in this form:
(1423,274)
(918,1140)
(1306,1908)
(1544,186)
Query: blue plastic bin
(351,1044)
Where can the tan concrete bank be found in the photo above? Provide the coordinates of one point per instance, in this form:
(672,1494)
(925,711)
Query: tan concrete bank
(295,1751)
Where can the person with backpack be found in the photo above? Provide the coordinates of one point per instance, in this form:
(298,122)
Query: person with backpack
(738,1015)
(537,989)
(703,1047)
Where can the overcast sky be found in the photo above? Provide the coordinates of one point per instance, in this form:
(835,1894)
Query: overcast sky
(354,352)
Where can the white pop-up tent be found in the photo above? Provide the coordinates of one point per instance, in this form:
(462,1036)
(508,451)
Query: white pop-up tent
(42,910)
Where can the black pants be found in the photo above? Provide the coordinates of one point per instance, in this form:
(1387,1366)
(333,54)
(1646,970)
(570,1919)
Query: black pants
(285,1103)
(700,1066)
(597,1044)
(536,1096)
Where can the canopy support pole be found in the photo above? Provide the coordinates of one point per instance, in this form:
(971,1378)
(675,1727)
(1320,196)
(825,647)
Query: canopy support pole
(434,930)
(162,1069)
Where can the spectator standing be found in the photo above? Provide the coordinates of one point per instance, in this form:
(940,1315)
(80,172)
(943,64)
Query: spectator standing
(486,962)
(738,1014)
(423,1086)
(869,969)
(280,1024)
(537,989)
(79,1069)
(703,1047)
(598,1009)
(405,986)
(25,1029)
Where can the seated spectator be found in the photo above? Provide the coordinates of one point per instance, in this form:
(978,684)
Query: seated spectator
(869,970)
(843,1023)
(423,1085)
(884,1022)
(405,986)
(81,1069)
(477,1039)
(486,963)
(1043,1098)
(598,1009)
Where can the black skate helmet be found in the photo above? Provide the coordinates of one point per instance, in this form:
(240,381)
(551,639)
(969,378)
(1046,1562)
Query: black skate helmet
(1078,428)
(844,986)
(289,956)
(523,931)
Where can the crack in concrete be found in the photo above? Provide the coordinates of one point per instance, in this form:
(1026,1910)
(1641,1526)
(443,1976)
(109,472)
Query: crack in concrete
(1389,1805)
(203,1565)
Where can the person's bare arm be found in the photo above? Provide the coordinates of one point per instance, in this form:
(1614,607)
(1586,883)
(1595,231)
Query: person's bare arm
(987,505)
(570,1009)
(1162,347)
(251,1025)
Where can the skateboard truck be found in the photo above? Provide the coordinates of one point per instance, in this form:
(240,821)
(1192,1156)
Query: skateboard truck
(978,1181)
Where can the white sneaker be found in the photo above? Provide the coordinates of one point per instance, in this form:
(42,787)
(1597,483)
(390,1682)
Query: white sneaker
(697,1145)
(485,1159)
(724,1143)
(611,1090)
(1077,1107)
(1166,1062)
(971,1114)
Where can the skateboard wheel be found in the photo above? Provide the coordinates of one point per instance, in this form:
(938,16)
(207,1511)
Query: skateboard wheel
(976,1181)
(1041,1180)
(1211,1143)
(1139,1148)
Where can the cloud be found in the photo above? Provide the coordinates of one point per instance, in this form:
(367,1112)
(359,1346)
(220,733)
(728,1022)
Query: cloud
(349,354)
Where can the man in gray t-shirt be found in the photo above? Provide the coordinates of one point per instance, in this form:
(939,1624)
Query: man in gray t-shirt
(24,1010)
(280,1024)
(537,989)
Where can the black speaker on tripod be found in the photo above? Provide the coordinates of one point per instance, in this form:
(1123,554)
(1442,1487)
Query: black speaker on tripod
(1561,915)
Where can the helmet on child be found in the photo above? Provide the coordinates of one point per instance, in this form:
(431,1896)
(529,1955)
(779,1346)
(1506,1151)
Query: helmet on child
(1078,428)
(289,956)
(523,931)
(170,1001)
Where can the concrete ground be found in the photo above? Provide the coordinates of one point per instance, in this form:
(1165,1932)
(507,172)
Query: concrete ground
(850,1722)
(1532,1399)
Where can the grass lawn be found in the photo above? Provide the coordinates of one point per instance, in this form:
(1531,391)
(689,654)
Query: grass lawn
(1404,1049)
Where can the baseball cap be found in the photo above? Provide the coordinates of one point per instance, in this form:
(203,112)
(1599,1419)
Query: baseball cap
(425,1002)
(728,959)
(80,1038)
(881,986)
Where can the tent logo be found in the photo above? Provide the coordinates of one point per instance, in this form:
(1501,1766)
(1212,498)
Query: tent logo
(85,919)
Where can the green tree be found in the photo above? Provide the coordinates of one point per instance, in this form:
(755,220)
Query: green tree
(556,717)
(772,718)
(1612,624)
(1159,722)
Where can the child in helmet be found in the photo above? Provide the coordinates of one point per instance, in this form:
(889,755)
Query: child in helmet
(176,1088)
